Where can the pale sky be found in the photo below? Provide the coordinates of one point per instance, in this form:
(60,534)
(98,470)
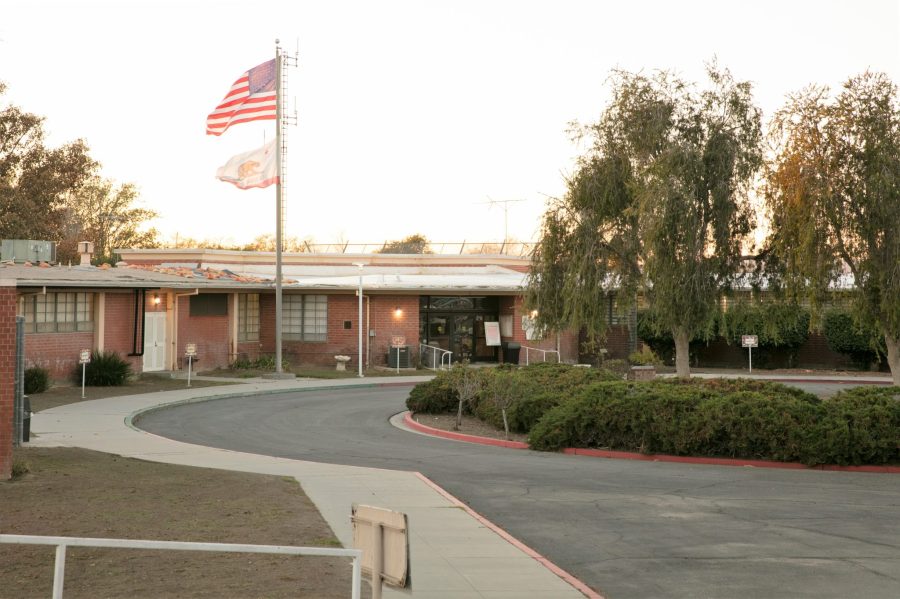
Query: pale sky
(412,115)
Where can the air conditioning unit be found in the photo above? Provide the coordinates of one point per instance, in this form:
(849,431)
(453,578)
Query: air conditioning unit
(28,250)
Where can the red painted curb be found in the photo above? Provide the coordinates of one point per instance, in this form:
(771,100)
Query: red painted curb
(569,578)
(657,457)
(424,428)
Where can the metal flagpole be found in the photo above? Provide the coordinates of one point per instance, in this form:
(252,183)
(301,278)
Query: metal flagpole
(278,206)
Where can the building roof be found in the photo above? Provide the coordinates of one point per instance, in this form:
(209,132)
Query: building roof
(250,271)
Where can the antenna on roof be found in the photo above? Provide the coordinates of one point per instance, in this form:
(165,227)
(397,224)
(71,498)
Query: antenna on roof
(506,204)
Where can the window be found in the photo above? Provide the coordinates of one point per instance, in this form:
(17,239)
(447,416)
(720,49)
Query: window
(63,312)
(248,317)
(209,304)
(305,317)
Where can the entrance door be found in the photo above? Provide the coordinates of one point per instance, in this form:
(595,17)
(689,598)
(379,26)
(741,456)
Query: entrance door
(154,341)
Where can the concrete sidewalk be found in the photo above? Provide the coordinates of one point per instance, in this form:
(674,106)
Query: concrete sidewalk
(452,553)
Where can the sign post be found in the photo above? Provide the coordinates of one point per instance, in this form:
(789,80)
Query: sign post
(398,341)
(83,358)
(383,537)
(750,341)
(190,352)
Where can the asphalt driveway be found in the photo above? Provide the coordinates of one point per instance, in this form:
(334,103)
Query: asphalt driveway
(628,529)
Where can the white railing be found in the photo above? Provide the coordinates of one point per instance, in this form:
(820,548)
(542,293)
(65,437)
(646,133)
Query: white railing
(544,353)
(61,543)
(438,356)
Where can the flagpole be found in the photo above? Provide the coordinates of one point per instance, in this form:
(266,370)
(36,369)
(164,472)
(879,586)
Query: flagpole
(278,206)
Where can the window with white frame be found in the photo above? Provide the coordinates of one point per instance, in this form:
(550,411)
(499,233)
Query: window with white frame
(305,317)
(62,312)
(248,317)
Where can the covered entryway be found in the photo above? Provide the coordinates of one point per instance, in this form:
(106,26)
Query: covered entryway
(154,341)
(457,323)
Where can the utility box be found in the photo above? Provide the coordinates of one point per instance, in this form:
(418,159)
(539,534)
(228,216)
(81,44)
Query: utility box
(28,250)
(398,357)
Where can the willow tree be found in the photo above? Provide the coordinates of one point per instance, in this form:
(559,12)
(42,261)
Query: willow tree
(658,206)
(833,194)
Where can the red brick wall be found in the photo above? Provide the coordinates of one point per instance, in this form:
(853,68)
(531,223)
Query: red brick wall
(210,333)
(568,341)
(57,352)
(118,333)
(341,341)
(7,376)
(387,324)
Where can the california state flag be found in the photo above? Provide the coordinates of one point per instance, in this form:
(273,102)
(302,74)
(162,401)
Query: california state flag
(251,169)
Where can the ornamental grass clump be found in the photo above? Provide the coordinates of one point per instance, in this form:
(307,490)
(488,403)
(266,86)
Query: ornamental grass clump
(106,369)
(37,380)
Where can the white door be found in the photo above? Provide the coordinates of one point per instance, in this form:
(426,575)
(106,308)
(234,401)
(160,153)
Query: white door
(154,341)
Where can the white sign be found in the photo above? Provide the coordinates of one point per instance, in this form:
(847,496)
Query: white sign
(749,341)
(398,340)
(492,333)
(84,357)
(383,537)
(190,350)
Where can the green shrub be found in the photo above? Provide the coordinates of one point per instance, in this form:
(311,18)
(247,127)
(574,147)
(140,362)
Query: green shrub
(861,426)
(619,368)
(106,369)
(844,336)
(265,362)
(729,418)
(433,397)
(644,357)
(775,325)
(37,380)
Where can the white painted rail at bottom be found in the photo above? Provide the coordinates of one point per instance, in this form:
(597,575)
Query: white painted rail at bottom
(62,542)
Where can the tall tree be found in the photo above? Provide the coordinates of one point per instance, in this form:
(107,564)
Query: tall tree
(833,194)
(35,180)
(658,205)
(414,244)
(108,216)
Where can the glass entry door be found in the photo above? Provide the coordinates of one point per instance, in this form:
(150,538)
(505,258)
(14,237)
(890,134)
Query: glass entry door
(463,334)
(456,323)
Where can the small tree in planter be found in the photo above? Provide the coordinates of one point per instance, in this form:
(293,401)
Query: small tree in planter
(502,388)
(465,381)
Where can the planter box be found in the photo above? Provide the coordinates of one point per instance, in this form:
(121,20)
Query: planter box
(642,373)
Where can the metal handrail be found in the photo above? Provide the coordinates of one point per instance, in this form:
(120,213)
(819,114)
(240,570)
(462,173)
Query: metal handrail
(544,353)
(445,353)
(61,543)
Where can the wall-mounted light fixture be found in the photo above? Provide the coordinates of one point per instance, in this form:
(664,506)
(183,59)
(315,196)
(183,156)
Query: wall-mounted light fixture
(534,314)
(156,299)
(398,312)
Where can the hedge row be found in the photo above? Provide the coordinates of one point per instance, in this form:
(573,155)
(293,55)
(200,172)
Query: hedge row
(563,406)
(771,422)
(541,387)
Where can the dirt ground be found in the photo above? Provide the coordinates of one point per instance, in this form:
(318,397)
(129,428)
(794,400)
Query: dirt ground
(75,492)
(470,426)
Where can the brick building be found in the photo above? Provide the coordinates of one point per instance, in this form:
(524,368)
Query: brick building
(223,302)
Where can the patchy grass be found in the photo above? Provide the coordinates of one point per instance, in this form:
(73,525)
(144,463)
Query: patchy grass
(76,492)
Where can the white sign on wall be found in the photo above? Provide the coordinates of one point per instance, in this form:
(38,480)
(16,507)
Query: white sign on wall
(492,333)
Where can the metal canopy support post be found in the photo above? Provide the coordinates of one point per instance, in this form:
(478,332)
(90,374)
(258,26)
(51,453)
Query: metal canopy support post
(360,317)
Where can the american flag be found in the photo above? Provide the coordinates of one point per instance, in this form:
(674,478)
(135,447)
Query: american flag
(251,98)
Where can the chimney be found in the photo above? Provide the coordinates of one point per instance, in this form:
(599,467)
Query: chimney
(86,249)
